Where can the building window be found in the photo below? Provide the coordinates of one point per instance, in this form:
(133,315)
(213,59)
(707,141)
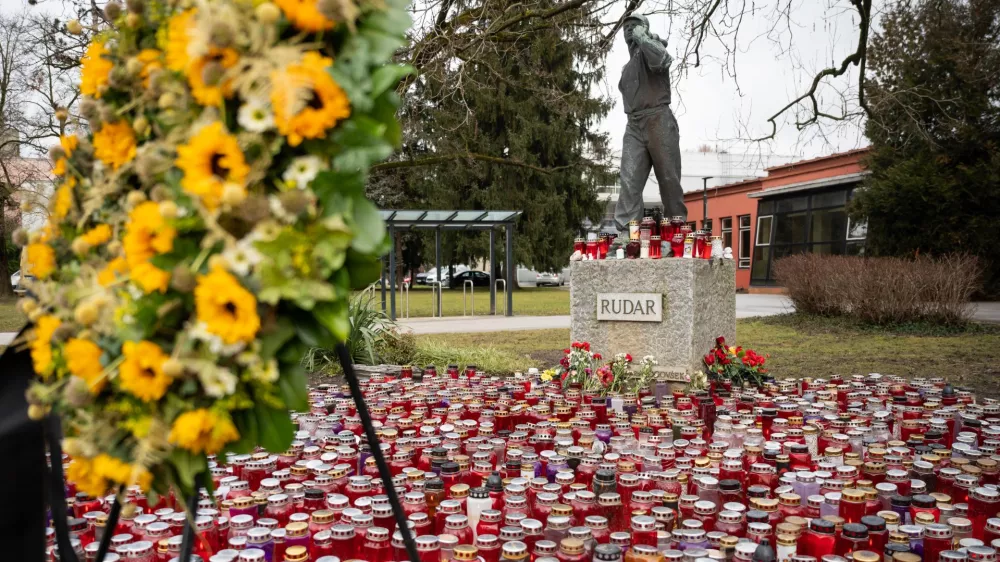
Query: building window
(857,230)
(764,230)
(744,253)
(693,225)
(726,223)
(706,225)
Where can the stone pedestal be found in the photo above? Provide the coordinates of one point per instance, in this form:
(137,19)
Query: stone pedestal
(698,305)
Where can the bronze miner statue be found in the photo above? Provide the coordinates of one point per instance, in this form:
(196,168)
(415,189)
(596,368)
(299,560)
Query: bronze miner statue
(651,137)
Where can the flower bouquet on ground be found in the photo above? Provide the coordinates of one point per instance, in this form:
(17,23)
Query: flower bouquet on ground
(577,365)
(622,376)
(735,366)
(208,226)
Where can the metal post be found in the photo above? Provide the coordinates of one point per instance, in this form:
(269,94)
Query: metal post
(437,266)
(405,288)
(493,275)
(472,289)
(504,285)
(510,270)
(704,200)
(382,262)
(392,273)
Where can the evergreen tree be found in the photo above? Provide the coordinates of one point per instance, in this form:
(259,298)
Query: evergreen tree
(934,91)
(514,129)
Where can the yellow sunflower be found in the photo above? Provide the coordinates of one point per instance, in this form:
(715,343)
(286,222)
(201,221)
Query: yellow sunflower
(97,235)
(178,37)
(147,234)
(305,14)
(225,307)
(150,59)
(62,202)
(114,144)
(110,273)
(68,144)
(121,472)
(41,260)
(81,472)
(203,431)
(83,359)
(141,374)
(210,160)
(95,69)
(307,101)
(211,94)
(41,345)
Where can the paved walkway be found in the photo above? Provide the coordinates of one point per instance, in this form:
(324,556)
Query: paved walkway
(746,306)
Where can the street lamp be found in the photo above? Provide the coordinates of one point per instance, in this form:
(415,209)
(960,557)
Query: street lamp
(704,199)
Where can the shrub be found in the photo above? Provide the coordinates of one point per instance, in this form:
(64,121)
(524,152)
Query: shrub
(882,291)
(373,339)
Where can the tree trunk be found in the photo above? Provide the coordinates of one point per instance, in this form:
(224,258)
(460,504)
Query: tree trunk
(6,290)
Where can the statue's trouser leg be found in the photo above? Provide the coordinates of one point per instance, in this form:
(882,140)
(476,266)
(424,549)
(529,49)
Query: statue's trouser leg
(664,149)
(635,166)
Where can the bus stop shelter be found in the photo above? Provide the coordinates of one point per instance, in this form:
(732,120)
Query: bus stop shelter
(397,221)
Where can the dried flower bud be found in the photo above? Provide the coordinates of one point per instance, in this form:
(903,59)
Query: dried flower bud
(26,206)
(133,66)
(339,10)
(268,13)
(37,412)
(114,247)
(254,209)
(141,126)
(62,114)
(135,6)
(77,393)
(56,153)
(27,305)
(294,201)
(173,368)
(120,77)
(168,209)
(181,279)
(86,313)
(64,332)
(167,100)
(90,109)
(233,194)
(36,314)
(135,197)
(222,34)
(74,27)
(112,10)
(80,246)
(19,237)
(133,20)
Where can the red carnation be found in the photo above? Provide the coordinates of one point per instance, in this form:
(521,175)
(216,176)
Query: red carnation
(709,359)
(597,356)
(585,345)
(567,351)
(628,358)
(720,341)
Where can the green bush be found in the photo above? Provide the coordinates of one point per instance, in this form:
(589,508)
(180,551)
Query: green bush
(882,291)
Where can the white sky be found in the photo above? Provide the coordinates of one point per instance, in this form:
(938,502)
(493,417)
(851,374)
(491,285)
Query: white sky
(709,107)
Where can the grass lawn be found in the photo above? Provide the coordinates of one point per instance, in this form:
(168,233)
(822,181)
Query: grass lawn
(540,301)
(11,320)
(798,345)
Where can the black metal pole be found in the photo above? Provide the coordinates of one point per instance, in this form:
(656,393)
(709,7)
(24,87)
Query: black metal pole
(510,270)
(187,538)
(109,530)
(437,267)
(704,200)
(382,263)
(57,503)
(383,468)
(392,273)
(493,274)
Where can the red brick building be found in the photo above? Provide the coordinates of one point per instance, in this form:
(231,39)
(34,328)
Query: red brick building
(796,208)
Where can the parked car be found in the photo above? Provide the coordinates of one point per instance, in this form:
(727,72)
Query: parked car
(421,278)
(15,282)
(531,278)
(478,278)
(432,274)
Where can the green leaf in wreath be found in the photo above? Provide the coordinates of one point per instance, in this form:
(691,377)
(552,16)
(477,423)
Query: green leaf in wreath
(369,230)
(188,465)
(276,428)
(276,337)
(246,424)
(333,316)
(292,386)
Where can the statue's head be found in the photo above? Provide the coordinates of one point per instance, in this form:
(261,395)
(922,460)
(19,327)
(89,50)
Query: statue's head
(631,22)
